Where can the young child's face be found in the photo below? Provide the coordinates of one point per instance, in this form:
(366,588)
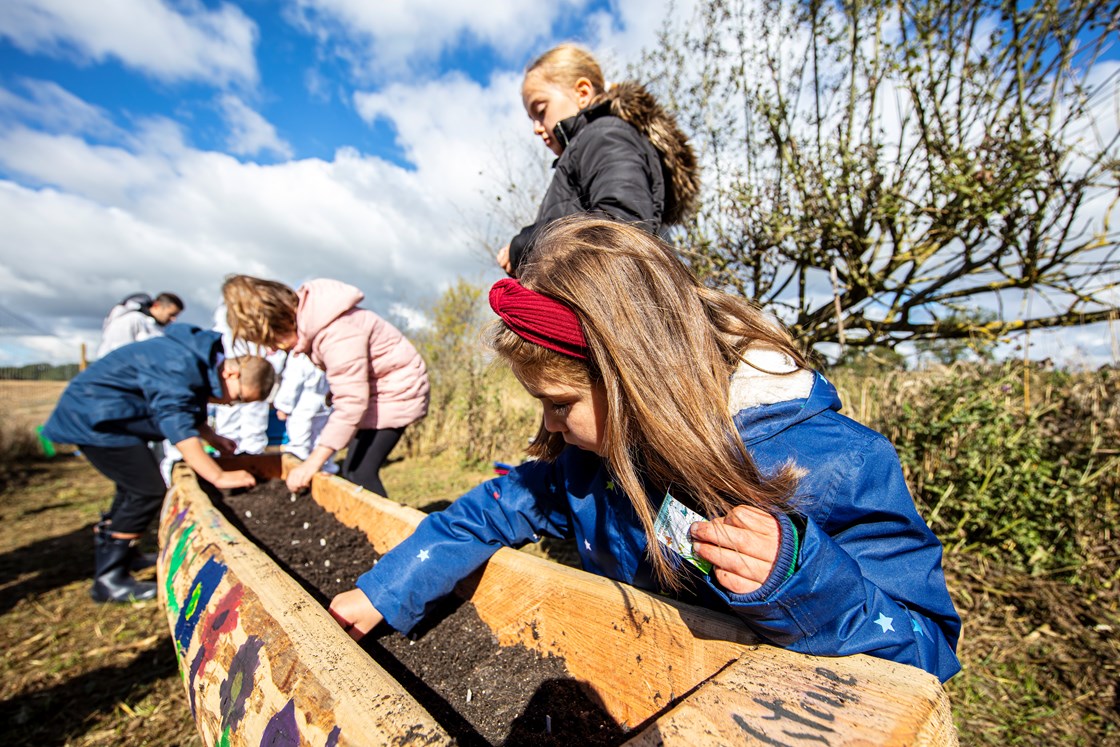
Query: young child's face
(547,103)
(579,413)
(232,391)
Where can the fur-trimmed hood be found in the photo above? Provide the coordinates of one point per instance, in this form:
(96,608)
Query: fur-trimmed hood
(632,103)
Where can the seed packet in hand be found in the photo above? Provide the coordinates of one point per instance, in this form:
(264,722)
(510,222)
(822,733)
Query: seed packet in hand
(671,528)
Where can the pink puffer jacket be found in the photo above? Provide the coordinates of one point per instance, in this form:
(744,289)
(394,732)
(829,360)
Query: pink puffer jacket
(377,378)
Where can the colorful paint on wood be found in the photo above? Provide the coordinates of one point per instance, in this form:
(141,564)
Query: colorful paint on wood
(262,663)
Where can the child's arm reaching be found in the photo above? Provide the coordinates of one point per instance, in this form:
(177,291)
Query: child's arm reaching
(206,468)
(449,545)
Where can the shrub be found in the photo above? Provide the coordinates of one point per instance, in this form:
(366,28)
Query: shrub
(1008,460)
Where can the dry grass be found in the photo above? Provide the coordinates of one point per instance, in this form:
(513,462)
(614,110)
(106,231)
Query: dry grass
(75,672)
(29,402)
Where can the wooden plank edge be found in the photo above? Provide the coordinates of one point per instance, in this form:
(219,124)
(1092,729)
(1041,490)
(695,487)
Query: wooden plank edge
(760,700)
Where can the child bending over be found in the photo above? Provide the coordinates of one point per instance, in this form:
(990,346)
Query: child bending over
(149,391)
(656,391)
(378,382)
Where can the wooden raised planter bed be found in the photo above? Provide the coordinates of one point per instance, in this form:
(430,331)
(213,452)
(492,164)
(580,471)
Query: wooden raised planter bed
(263,662)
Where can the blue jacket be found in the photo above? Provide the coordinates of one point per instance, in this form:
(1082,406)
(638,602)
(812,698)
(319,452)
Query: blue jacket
(144,391)
(865,578)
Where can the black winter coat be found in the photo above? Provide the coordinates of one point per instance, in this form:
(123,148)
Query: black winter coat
(607,167)
(624,158)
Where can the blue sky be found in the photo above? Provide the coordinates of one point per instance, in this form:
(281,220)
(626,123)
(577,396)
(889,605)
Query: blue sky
(163,144)
(150,145)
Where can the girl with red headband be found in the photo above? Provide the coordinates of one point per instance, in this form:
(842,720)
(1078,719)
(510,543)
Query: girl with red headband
(663,398)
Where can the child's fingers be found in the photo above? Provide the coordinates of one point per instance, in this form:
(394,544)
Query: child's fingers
(753,532)
(754,519)
(735,562)
(743,547)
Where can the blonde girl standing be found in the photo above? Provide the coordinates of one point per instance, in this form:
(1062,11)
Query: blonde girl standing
(619,154)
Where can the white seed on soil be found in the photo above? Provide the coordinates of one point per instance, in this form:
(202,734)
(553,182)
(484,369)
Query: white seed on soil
(293,498)
(327,563)
(295,542)
(306,525)
(248,514)
(468,695)
(322,543)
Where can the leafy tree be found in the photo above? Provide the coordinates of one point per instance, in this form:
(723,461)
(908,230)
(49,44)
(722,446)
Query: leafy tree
(880,172)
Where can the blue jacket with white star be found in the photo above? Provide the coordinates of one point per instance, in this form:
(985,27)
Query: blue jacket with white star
(860,574)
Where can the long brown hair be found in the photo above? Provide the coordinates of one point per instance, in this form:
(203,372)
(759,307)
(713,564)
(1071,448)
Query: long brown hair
(664,347)
(259,311)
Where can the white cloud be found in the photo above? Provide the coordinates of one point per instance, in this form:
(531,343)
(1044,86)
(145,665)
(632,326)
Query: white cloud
(50,107)
(169,42)
(394,37)
(122,220)
(250,134)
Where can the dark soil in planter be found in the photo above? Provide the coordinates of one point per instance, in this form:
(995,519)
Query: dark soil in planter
(480,692)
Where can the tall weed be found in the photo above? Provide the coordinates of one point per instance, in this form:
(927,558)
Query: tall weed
(477,407)
(1007,460)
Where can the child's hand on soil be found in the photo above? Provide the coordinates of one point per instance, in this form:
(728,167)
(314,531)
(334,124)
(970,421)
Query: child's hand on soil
(300,477)
(743,547)
(237,478)
(354,612)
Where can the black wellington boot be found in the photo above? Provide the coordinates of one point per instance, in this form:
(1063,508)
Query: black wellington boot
(137,560)
(111,581)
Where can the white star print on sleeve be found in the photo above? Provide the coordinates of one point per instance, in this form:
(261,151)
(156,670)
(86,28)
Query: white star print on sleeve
(587,545)
(423,555)
(886,623)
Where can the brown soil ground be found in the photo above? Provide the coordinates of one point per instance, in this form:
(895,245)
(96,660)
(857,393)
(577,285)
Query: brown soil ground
(482,693)
(73,672)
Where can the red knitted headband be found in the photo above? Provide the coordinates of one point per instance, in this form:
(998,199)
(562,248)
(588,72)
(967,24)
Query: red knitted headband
(538,318)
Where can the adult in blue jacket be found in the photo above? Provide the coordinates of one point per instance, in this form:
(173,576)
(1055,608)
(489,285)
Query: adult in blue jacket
(660,394)
(149,391)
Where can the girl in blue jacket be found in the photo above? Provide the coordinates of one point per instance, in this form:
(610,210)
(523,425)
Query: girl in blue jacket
(661,396)
(150,391)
